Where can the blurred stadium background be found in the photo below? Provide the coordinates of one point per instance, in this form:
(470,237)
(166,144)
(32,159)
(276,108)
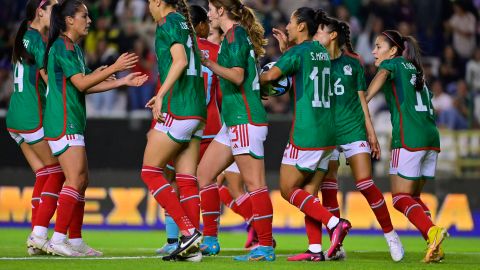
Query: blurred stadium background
(448,32)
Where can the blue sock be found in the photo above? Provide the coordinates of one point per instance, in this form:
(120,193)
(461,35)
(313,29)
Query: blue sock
(171,228)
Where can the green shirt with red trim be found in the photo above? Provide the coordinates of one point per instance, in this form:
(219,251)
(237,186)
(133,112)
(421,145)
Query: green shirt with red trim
(186,99)
(313,126)
(240,104)
(27,102)
(347,79)
(412,115)
(65,112)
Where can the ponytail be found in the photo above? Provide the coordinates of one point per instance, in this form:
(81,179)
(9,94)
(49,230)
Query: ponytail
(255,30)
(20,54)
(57,25)
(66,8)
(412,54)
(184,9)
(237,11)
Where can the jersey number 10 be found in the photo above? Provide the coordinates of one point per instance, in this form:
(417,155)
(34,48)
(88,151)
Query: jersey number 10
(316,102)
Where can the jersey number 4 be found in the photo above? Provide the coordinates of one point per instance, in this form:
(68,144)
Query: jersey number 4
(18,77)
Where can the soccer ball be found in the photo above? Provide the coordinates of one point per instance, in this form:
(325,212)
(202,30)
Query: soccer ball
(278,87)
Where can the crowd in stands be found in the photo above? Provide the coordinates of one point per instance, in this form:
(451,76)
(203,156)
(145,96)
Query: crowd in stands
(448,32)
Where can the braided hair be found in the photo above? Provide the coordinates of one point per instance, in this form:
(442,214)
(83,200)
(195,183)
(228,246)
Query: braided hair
(343,32)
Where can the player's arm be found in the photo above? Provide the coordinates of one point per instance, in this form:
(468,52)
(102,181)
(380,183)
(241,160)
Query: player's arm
(235,74)
(377,83)
(132,79)
(83,82)
(179,63)
(372,136)
(271,75)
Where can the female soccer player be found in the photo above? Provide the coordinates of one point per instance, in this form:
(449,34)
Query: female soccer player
(415,138)
(312,137)
(64,122)
(353,126)
(25,118)
(180,111)
(245,128)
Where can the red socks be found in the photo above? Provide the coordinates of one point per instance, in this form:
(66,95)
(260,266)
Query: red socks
(66,204)
(314,231)
(189,198)
(50,195)
(210,204)
(41,177)
(376,201)
(329,189)
(309,205)
(404,203)
(75,229)
(423,205)
(262,215)
(162,192)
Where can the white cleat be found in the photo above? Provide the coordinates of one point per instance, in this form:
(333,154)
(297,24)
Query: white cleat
(395,245)
(63,248)
(37,242)
(86,250)
(339,256)
(191,257)
(35,251)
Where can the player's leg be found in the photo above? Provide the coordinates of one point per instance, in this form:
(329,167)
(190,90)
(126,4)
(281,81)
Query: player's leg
(329,185)
(313,228)
(159,150)
(361,165)
(217,157)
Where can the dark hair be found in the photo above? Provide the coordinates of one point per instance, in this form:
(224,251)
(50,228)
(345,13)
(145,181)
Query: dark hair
(343,32)
(237,11)
(20,54)
(198,15)
(182,6)
(310,17)
(57,22)
(408,48)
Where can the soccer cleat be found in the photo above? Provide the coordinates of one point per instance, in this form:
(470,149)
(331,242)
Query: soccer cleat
(338,234)
(37,242)
(261,253)
(252,239)
(307,256)
(63,248)
(86,250)
(186,245)
(340,255)
(395,245)
(35,251)
(192,257)
(436,235)
(210,246)
(439,255)
(167,249)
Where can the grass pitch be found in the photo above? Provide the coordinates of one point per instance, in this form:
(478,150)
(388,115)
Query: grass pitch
(135,250)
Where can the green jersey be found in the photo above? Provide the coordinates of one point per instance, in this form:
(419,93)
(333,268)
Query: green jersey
(27,102)
(412,116)
(241,104)
(313,125)
(186,99)
(347,79)
(65,112)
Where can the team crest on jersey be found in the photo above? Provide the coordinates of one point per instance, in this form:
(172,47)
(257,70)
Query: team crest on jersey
(347,70)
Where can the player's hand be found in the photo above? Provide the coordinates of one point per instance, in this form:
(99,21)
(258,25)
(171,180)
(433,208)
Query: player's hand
(125,61)
(282,39)
(134,79)
(150,103)
(157,109)
(111,78)
(375,146)
(206,62)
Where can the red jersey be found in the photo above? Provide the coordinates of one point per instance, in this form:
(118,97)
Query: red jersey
(212,91)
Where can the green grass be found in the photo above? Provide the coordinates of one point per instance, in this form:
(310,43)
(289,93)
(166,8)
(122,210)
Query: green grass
(363,252)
